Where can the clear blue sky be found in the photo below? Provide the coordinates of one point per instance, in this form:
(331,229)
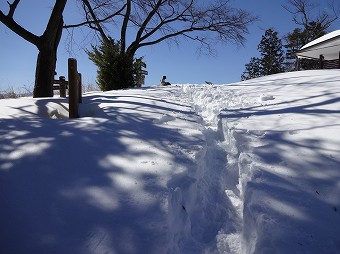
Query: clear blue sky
(181,64)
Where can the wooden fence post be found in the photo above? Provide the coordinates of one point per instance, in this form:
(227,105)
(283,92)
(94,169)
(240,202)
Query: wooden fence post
(62,86)
(73,81)
(298,64)
(321,61)
(80,92)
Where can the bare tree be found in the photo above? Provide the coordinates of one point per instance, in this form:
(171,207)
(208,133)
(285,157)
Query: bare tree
(47,44)
(154,21)
(302,11)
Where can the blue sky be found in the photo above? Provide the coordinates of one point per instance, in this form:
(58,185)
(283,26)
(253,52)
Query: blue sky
(181,64)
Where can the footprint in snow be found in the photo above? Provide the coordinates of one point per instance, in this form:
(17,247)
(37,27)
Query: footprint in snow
(164,119)
(267,97)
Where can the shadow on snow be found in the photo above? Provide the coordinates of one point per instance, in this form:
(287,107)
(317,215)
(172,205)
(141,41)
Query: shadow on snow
(59,181)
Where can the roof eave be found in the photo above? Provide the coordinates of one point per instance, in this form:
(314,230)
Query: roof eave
(302,52)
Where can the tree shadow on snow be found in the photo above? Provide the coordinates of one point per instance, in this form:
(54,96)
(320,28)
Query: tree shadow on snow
(291,201)
(82,185)
(291,180)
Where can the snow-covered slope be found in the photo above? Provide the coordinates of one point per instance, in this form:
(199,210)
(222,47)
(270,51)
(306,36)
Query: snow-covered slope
(282,137)
(252,167)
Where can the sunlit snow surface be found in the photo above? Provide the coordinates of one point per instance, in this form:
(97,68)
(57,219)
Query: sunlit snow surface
(251,167)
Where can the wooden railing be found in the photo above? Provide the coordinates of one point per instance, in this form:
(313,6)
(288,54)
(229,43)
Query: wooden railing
(331,64)
(61,84)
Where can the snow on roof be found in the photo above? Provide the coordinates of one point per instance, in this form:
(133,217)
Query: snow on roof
(327,45)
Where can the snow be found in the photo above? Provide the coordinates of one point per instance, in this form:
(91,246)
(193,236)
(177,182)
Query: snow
(250,167)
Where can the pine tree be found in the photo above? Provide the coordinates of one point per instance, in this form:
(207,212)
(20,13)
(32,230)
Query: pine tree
(300,37)
(115,68)
(293,43)
(253,69)
(271,60)
(139,72)
(272,55)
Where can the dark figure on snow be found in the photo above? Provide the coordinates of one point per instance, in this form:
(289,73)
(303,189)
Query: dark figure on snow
(164,83)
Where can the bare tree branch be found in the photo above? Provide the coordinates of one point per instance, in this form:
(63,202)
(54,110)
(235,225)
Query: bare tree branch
(302,13)
(12,8)
(15,27)
(154,21)
(97,20)
(170,19)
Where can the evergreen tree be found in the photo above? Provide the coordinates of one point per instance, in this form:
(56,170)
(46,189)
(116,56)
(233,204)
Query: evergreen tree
(297,39)
(271,60)
(139,73)
(115,68)
(294,41)
(272,54)
(253,69)
(314,30)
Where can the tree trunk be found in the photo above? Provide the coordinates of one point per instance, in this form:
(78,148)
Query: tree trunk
(44,73)
(46,62)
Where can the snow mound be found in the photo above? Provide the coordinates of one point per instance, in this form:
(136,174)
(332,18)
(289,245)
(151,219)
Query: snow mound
(165,119)
(267,97)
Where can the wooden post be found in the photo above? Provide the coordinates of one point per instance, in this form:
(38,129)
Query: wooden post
(73,88)
(62,86)
(321,59)
(80,98)
(298,64)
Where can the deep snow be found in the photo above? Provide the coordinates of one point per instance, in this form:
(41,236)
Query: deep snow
(251,167)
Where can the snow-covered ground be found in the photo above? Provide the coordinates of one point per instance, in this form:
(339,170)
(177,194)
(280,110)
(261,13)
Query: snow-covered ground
(252,167)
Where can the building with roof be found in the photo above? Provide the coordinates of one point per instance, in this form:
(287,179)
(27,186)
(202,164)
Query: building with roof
(326,49)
